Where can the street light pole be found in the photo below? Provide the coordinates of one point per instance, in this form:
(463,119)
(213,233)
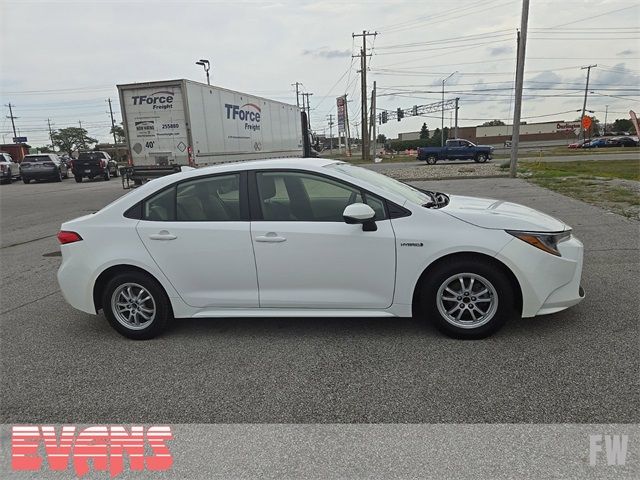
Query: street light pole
(207,66)
(442,122)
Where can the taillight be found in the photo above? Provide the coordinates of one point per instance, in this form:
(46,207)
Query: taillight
(65,237)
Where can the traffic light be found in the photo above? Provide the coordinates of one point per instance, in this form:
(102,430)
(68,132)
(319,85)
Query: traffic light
(385,116)
(400,114)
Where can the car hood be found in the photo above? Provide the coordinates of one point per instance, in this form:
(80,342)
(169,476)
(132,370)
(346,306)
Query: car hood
(498,214)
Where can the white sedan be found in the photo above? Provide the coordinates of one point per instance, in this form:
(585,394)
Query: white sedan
(314,238)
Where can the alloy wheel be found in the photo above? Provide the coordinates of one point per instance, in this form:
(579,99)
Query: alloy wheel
(467,300)
(133,306)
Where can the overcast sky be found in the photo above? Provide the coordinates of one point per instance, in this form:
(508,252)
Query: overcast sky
(61,60)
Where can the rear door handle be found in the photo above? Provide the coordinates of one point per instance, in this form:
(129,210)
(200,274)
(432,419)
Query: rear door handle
(271,237)
(162,235)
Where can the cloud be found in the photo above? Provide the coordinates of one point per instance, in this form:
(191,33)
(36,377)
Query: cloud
(625,53)
(325,52)
(500,50)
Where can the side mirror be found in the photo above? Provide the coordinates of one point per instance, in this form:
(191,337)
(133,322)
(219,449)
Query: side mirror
(360,213)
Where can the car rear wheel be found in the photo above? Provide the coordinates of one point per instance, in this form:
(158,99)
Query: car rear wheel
(78,179)
(432,159)
(468,299)
(9,179)
(26,180)
(136,306)
(481,158)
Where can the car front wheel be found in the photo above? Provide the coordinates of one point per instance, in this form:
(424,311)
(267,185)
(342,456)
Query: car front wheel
(481,158)
(468,299)
(136,306)
(432,159)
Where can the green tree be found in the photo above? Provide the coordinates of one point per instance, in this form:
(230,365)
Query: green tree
(382,138)
(424,131)
(119,131)
(622,125)
(493,123)
(435,138)
(72,138)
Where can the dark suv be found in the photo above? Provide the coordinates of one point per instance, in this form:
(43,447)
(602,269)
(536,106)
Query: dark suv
(94,164)
(43,166)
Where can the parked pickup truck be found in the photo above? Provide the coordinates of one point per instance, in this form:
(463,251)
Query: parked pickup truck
(94,164)
(455,149)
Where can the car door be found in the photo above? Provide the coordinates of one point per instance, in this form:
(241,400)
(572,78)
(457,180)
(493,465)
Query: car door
(453,149)
(198,233)
(307,256)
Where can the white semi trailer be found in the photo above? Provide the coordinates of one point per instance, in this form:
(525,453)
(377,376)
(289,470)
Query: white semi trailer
(175,123)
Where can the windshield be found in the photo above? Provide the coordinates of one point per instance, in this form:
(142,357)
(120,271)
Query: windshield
(382,181)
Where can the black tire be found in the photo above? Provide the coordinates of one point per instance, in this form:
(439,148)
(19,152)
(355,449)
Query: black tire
(480,158)
(163,312)
(26,180)
(498,312)
(10,177)
(59,177)
(432,159)
(78,179)
(137,183)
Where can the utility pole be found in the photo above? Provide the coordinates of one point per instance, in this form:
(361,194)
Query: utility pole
(51,135)
(586,91)
(363,89)
(113,123)
(606,111)
(308,108)
(517,110)
(297,85)
(442,118)
(331,134)
(12,120)
(81,134)
(456,124)
(373,124)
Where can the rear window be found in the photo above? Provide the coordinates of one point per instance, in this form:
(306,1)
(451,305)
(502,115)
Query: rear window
(91,156)
(37,158)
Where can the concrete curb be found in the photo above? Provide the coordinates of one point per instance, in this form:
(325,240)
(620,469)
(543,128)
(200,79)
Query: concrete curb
(428,179)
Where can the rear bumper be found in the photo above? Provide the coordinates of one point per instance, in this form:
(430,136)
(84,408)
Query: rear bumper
(40,173)
(88,172)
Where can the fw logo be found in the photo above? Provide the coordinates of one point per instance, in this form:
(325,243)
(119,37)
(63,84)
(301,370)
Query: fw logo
(615,448)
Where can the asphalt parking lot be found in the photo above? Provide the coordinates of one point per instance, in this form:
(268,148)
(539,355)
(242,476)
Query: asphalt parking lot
(61,365)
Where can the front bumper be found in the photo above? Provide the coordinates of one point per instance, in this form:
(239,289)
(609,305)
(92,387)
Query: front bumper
(548,283)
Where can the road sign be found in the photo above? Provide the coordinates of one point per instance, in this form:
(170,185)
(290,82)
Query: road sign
(19,139)
(342,113)
(586,122)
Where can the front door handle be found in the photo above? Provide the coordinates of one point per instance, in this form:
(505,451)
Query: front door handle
(271,237)
(162,235)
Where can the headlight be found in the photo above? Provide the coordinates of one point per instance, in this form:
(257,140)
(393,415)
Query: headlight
(547,242)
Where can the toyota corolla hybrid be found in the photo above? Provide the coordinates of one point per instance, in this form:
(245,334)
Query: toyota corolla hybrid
(314,238)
